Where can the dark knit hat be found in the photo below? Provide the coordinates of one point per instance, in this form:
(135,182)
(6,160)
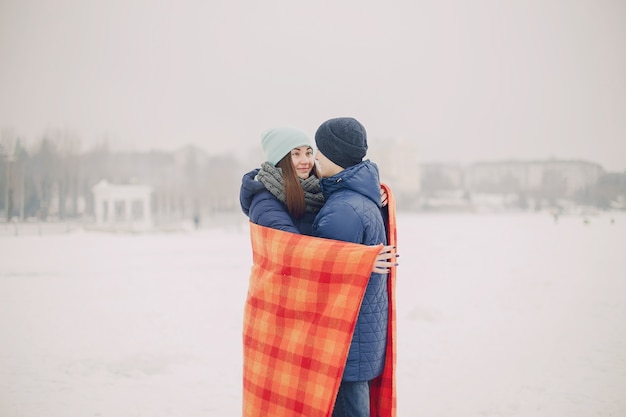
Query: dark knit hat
(343,140)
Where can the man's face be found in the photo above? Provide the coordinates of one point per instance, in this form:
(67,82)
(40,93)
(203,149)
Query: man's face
(325,167)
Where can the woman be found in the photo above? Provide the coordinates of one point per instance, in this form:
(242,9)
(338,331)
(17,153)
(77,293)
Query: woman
(284,193)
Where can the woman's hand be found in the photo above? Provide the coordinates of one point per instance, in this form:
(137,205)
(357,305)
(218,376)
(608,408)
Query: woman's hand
(383,197)
(385,260)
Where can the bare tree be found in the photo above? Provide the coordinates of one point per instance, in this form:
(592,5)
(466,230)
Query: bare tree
(7,154)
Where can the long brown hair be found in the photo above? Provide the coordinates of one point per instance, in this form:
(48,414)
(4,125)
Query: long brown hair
(294,194)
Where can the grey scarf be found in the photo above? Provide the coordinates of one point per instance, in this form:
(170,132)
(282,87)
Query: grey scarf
(272,178)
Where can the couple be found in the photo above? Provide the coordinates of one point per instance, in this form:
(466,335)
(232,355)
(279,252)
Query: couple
(319,323)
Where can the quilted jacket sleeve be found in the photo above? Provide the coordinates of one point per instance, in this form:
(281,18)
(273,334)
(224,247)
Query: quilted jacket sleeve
(267,211)
(262,207)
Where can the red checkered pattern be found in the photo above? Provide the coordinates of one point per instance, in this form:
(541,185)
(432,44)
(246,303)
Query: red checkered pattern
(383,388)
(303,300)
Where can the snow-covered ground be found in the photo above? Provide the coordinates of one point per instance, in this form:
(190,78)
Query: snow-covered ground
(498,315)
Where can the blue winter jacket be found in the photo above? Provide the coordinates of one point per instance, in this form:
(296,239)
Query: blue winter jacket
(263,208)
(352,213)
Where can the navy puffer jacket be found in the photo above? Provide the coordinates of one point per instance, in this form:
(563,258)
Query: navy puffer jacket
(263,208)
(352,213)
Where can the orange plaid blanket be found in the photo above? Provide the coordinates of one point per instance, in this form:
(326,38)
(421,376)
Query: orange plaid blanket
(301,309)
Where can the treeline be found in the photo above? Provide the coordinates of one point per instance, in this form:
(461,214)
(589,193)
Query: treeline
(53,180)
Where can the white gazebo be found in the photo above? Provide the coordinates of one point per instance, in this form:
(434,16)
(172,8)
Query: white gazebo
(125,207)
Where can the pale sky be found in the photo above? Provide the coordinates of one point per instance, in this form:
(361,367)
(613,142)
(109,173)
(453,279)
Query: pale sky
(464,80)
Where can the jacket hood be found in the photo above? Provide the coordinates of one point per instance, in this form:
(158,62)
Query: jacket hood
(362,178)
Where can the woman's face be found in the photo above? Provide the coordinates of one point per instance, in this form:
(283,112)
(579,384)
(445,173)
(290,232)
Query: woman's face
(302,160)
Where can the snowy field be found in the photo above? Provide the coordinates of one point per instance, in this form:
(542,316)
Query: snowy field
(498,315)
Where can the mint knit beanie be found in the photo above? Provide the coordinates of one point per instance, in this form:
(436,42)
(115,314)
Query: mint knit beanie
(279,141)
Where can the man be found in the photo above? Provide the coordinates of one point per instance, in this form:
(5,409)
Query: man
(352,213)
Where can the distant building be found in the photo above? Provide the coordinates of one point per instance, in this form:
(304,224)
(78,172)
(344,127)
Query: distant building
(122,207)
(555,178)
(501,185)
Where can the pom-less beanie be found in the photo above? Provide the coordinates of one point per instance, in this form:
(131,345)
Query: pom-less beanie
(279,141)
(343,140)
